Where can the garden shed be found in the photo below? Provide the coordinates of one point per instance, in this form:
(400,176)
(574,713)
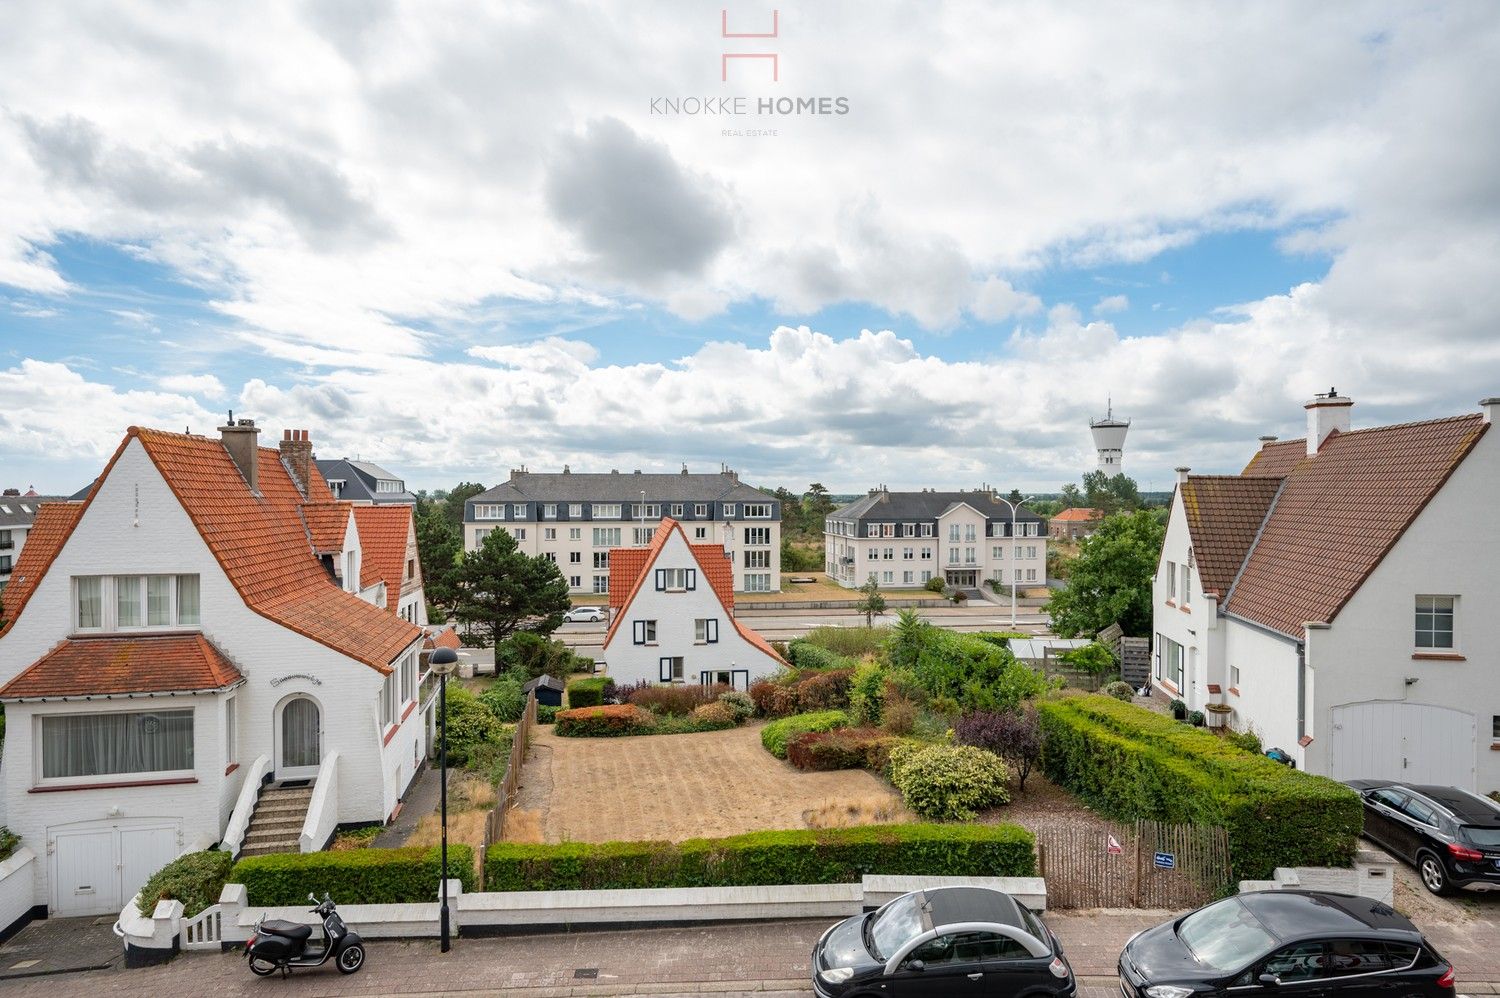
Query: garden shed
(549,691)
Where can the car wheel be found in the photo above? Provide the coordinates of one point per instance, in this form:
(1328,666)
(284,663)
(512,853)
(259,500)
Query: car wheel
(1434,874)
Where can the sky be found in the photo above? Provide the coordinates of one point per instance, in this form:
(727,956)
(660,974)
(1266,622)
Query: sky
(460,238)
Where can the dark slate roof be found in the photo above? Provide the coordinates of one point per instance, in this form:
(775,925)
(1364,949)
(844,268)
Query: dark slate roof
(899,506)
(359,478)
(19,511)
(562,487)
(547,681)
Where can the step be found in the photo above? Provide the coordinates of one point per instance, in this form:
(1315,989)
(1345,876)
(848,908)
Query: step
(291,827)
(275,840)
(263,850)
(273,794)
(281,807)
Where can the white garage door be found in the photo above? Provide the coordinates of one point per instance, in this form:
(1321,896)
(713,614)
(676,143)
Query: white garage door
(96,868)
(1408,742)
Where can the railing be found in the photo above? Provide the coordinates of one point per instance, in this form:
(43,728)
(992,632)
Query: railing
(244,805)
(505,794)
(323,807)
(204,930)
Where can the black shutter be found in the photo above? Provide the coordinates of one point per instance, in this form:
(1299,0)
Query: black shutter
(639,632)
(666,670)
(713,630)
(661,579)
(692,578)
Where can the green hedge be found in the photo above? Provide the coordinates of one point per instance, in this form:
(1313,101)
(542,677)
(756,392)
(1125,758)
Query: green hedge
(806,655)
(586,692)
(1130,763)
(196,879)
(360,876)
(804,856)
(775,735)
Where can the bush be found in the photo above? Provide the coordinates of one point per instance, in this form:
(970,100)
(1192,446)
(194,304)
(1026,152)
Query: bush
(1015,736)
(9,840)
(740,703)
(604,722)
(775,735)
(1094,657)
(851,642)
(867,692)
(360,876)
(900,715)
(845,748)
(675,700)
(715,716)
(970,671)
(804,856)
(806,655)
(546,713)
(949,782)
(1178,709)
(195,879)
(1120,691)
(773,699)
(587,692)
(1195,718)
(1249,741)
(1131,763)
(535,655)
(826,690)
(934,585)
(505,698)
(470,725)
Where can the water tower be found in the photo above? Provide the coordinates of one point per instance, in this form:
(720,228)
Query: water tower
(1109,441)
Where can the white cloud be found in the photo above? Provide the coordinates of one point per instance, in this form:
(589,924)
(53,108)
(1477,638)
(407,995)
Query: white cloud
(202,385)
(1111,304)
(996,300)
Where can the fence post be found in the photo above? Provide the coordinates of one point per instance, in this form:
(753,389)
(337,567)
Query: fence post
(1140,873)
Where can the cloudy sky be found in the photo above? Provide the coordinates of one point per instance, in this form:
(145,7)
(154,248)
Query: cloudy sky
(456,238)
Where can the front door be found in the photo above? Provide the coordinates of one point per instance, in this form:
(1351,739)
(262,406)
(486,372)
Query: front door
(300,746)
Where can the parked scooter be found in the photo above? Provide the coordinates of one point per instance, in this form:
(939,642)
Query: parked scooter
(277,945)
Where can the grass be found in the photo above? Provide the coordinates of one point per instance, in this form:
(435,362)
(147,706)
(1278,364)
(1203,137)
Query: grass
(355,838)
(466,827)
(858,811)
(524,826)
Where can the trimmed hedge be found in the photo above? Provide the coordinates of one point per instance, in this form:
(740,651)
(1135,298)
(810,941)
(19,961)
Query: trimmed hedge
(803,856)
(806,655)
(586,692)
(604,722)
(775,735)
(195,879)
(359,876)
(846,748)
(949,782)
(1130,763)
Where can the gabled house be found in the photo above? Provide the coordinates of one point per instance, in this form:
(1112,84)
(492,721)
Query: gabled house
(364,483)
(388,550)
(1073,523)
(1338,595)
(190,628)
(673,616)
(17,513)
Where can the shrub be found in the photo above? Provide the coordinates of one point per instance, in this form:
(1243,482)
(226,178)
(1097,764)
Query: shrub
(675,699)
(969,671)
(1249,741)
(616,693)
(949,782)
(1015,736)
(546,713)
(773,699)
(845,748)
(934,585)
(826,690)
(194,879)
(470,725)
(900,716)
(535,655)
(1195,718)
(740,703)
(806,655)
(775,735)
(716,715)
(1131,763)
(1094,657)
(505,698)
(360,876)
(1120,691)
(604,722)
(9,841)
(587,692)
(851,642)
(1178,709)
(867,692)
(804,856)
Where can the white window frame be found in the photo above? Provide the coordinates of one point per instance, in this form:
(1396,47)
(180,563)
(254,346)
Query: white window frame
(728,510)
(575,533)
(643,632)
(677,509)
(757,582)
(605,510)
(549,511)
(700,509)
(1435,611)
(601,583)
(549,533)
(676,580)
(758,510)
(706,630)
(142,776)
(575,510)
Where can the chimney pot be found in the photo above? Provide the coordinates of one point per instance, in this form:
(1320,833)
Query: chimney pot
(1182,475)
(1269,438)
(296,454)
(1325,414)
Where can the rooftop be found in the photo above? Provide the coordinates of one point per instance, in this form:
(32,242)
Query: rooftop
(124,664)
(883,505)
(614,486)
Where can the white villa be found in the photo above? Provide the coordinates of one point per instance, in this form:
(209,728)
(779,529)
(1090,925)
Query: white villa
(202,628)
(674,622)
(1339,596)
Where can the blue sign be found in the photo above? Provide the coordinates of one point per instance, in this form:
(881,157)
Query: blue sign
(1166,861)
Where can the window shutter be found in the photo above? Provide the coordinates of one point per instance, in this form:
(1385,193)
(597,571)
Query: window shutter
(661,579)
(666,670)
(713,630)
(692,578)
(640,632)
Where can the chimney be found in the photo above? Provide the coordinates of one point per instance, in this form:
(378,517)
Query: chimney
(296,454)
(1182,474)
(1269,438)
(1491,407)
(1326,413)
(239,439)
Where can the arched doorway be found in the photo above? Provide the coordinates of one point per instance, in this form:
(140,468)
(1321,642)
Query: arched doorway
(299,741)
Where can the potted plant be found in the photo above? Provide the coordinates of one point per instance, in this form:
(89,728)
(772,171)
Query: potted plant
(1218,714)
(1179,709)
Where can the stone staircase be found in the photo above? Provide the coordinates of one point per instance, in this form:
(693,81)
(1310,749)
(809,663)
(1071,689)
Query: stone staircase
(276,823)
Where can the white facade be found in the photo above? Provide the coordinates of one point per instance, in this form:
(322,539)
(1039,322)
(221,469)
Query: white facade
(962,546)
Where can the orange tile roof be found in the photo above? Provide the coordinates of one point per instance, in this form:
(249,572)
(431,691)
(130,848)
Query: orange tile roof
(625,566)
(54,522)
(628,556)
(1339,513)
(327,523)
(447,637)
(122,664)
(383,533)
(1224,515)
(1076,513)
(1277,458)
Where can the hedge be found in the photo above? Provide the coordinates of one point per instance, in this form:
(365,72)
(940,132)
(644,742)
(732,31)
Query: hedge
(1132,763)
(196,879)
(586,692)
(775,735)
(359,876)
(846,748)
(604,722)
(803,856)
(806,655)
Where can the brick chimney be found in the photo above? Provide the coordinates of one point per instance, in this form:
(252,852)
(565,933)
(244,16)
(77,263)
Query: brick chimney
(1326,413)
(240,440)
(296,454)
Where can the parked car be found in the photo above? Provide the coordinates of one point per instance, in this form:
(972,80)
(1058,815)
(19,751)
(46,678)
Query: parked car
(1451,836)
(584,615)
(1302,943)
(942,941)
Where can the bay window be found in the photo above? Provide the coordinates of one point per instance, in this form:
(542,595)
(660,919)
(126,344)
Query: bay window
(117,743)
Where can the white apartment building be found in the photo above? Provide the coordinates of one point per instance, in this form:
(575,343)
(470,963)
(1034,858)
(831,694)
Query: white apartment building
(575,520)
(907,538)
(17,513)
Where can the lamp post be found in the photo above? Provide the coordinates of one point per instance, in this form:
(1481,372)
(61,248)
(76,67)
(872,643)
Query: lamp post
(443,662)
(1016,573)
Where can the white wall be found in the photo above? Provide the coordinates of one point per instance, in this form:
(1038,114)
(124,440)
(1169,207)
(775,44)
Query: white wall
(1186,622)
(1267,698)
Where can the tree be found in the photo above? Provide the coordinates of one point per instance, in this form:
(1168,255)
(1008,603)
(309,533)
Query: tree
(1015,496)
(816,504)
(873,603)
(1110,580)
(1013,735)
(440,550)
(1111,495)
(503,590)
(1071,497)
(453,502)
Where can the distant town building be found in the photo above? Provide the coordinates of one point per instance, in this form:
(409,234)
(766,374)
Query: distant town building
(1071,524)
(1109,442)
(363,482)
(17,514)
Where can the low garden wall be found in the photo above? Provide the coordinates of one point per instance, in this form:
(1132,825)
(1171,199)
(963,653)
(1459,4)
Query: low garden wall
(17,883)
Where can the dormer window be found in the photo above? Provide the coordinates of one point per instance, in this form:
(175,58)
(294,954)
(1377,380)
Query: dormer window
(135,602)
(389,485)
(336,486)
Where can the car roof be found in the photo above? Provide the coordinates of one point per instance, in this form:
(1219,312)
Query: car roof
(1295,913)
(1470,809)
(951,905)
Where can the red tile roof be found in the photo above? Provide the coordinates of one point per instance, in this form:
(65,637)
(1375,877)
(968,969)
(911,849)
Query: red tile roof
(327,523)
(383,533)
(1277,458)
(54,522)
(1076,513)
(1224,515)
(120,664)
(1339,513)
(446,637)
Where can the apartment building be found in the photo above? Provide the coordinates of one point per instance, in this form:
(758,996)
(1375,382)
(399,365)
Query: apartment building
(17,513)
(576,518)
(966,538)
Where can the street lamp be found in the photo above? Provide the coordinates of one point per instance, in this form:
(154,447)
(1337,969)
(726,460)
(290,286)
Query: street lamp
(443,662)
(1016,572)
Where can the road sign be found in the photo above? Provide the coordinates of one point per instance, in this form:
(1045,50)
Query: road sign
(1166,861)
(1113,847)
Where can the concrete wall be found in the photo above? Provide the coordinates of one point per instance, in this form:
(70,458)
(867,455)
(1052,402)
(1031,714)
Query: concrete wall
(17,882)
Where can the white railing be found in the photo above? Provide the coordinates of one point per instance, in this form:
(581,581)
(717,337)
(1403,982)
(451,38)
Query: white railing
(323,808)
(244,805)
(204,930)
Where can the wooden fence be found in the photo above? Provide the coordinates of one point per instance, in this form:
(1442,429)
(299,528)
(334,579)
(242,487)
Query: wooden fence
(505,793)
(1145,865)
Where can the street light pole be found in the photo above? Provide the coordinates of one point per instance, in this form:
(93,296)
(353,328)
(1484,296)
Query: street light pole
(443,662)
(1015,572)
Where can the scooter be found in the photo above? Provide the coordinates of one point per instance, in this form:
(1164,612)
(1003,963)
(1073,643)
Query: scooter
(277,945)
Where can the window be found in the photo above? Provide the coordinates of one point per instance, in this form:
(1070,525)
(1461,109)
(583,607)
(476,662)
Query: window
(908,530)
(408,679)
(128,601)
(886,577)
(757,535)
(549,511)
(758,510)
(671,669)
(652,510)
(520,533)
(1017,553)
(756,582)
(926,576)
(907,554)
(484,511)
(1016,575)
(1234,676)
(479,536)
(1031,550)
(549,533)
(677,509)
(890,554)
(158,600)
(335,485)
(388,701)
(700,509)
(906,577)
(550,556)
(606,537)
(669,579)
(518,511)
(389,485)
(926,530)
(575,533)
(230,735)
(1435,621)
(1171,580)
(1031,575)
(606,511)
(601,583)
(575,582)
(1187,584)
(1495,727)
(1300,962)
(642,535)
(575,510)
(927,554)
(757,559)
(874,554)
(998,552)
(644,632)
(728,510)
(969,533)
(601,559)
(82,745)
(575,557)
(1170,661)
(953,556)
(187,601)
(706,630)
(700,533)
(411,568)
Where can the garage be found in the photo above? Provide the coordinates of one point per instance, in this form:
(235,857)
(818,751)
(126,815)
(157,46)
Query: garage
(98,866)
(1405,742)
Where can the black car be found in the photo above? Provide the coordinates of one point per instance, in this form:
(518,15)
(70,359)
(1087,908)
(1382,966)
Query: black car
(1451,836)
(1303,943)
(958,941)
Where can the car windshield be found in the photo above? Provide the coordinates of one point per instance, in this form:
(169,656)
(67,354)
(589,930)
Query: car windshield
(1484,838)
(1224,936)
(894,925)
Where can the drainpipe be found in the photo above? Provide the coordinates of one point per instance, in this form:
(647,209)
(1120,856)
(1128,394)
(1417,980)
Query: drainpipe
(1301,690)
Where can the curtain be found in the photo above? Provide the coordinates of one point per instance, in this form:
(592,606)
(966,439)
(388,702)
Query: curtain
(128,600)
(159,600)
(187,600)
(90,603)
(299,734)
(125,742)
